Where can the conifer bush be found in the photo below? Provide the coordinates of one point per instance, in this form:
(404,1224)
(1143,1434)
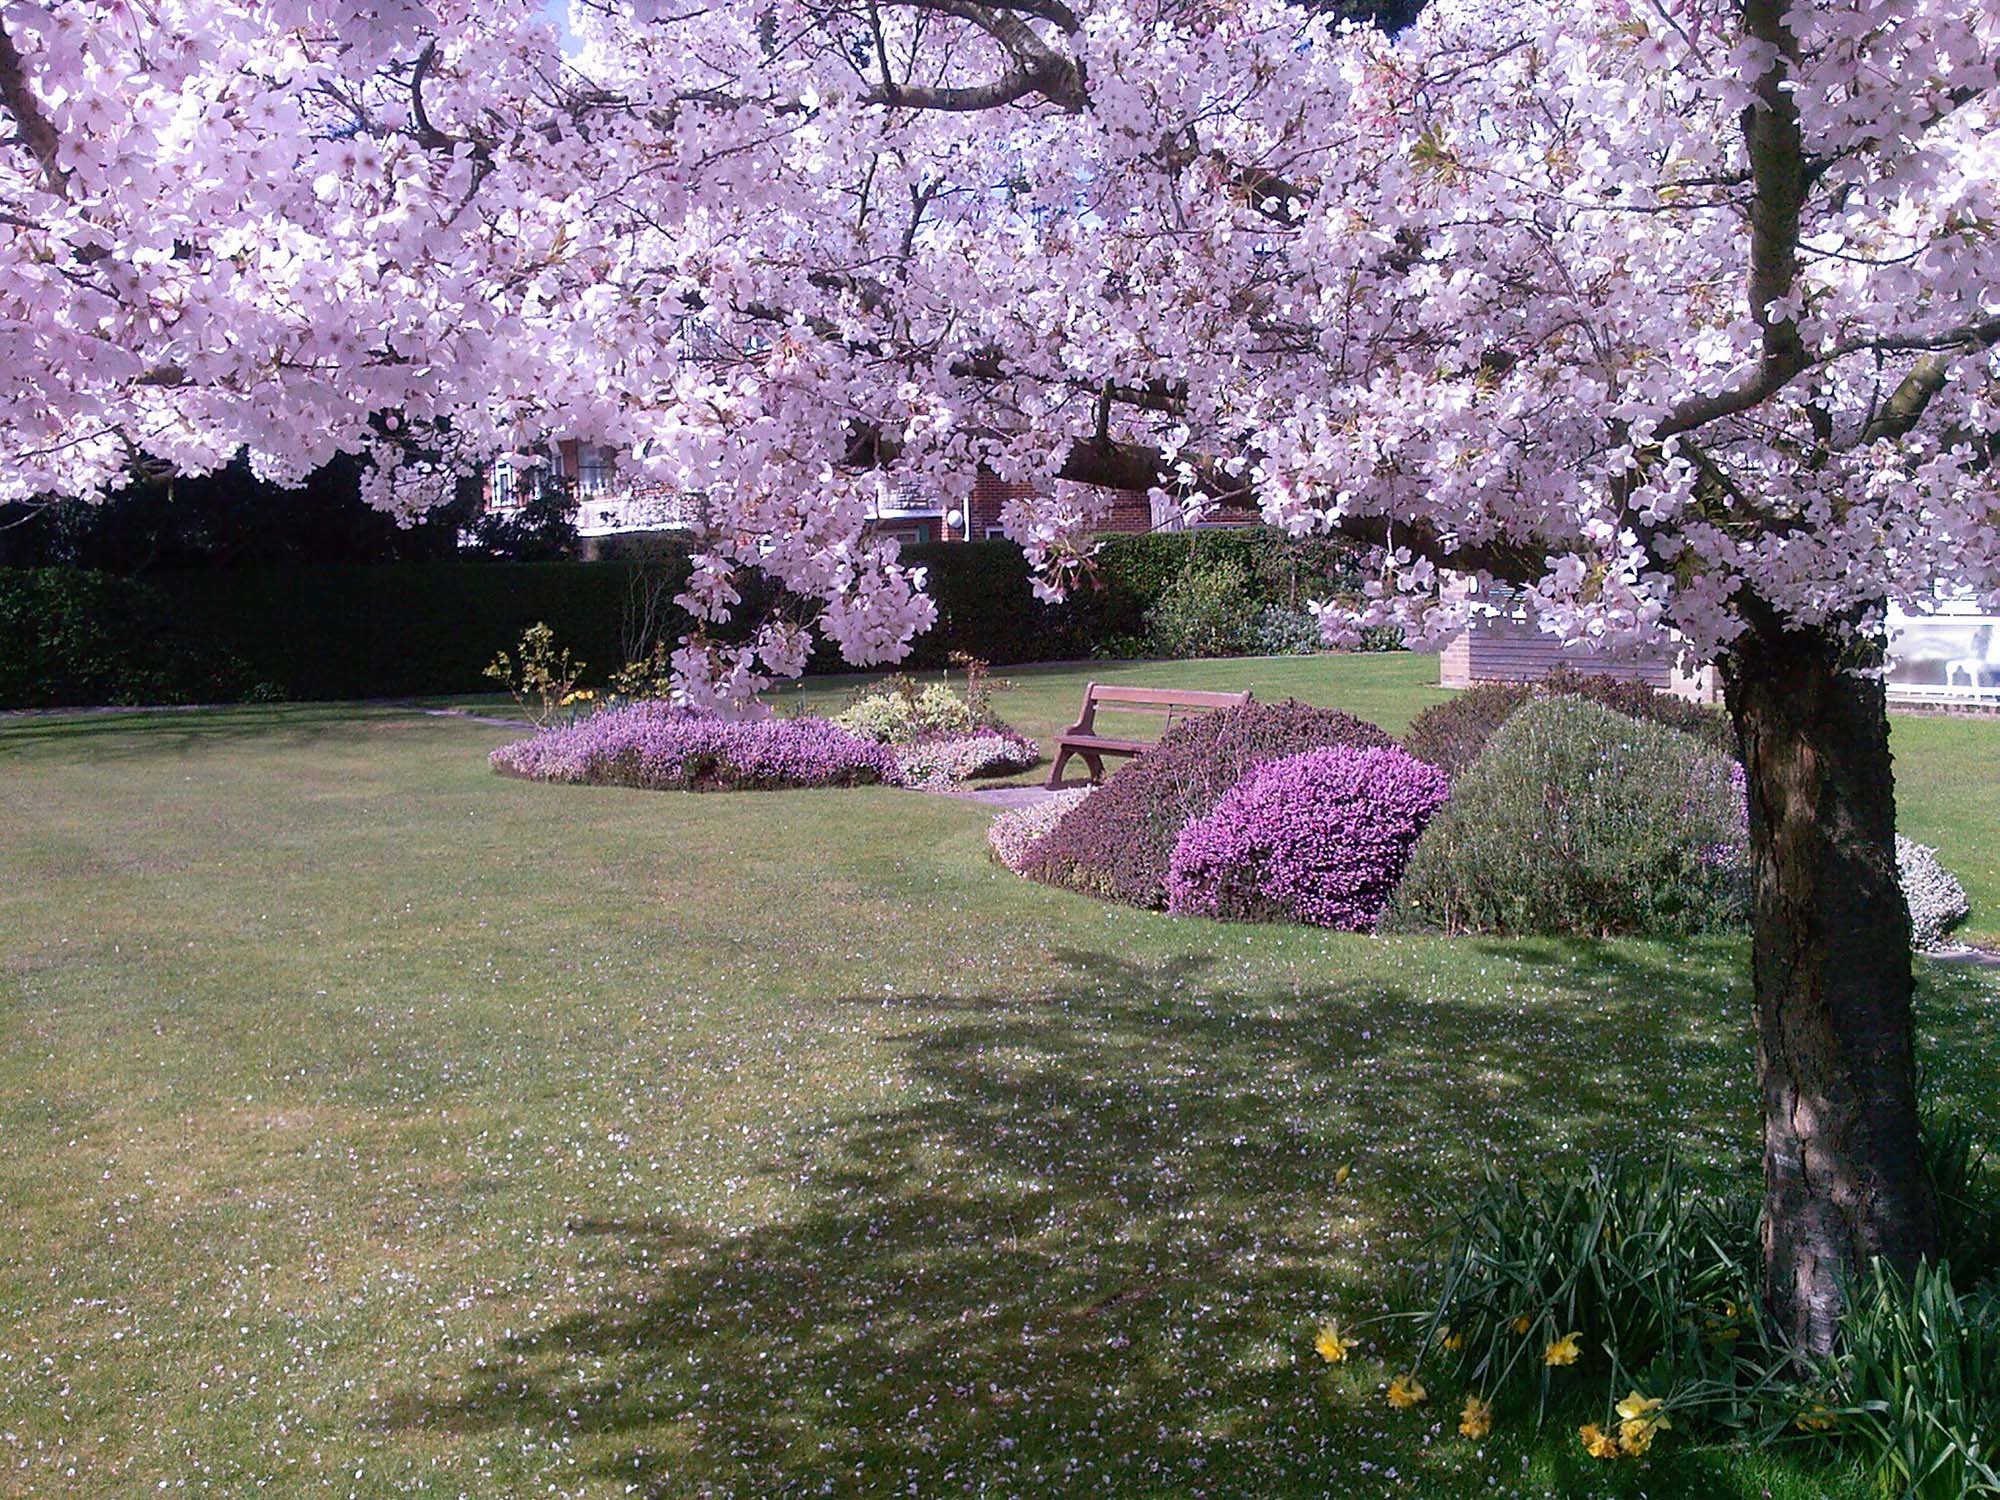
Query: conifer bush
(1580,819)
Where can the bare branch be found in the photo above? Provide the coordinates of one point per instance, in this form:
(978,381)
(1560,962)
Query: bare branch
(1780,176)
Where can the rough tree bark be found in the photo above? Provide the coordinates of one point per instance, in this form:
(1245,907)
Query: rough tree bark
(1843,1172)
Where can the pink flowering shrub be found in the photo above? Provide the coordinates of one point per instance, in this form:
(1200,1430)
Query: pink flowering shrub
(1118,845)
(659,747)
(1321,838)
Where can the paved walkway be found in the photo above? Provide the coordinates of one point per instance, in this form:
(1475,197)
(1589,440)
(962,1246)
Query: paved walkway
(1979,958)
(1011,796)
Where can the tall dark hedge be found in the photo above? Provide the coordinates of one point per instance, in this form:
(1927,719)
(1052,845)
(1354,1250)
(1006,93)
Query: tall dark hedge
(1118,843)
(70,637)
(422,627)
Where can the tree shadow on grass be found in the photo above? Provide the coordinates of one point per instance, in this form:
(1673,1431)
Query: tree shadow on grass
(1084,1250)
(156,731)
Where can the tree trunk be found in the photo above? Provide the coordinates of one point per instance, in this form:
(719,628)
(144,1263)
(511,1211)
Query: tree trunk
(1843,1171)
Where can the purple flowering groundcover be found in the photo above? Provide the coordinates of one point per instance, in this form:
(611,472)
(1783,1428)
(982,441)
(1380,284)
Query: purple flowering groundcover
(1321,837)
(660,747)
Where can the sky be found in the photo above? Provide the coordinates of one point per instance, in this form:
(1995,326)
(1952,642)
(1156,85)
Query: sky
(558,12)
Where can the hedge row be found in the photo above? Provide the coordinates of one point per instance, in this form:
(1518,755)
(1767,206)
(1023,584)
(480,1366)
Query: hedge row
(397,629)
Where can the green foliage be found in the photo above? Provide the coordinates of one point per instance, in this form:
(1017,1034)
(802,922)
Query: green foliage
(1657,1275)
(1653,1273)
(540,678)
(72,637)
(1285,630)
(646,677)
(1208,610)
(424,627)
(1916,1384)
(405,628)
(542,528)
(1450,735)
(1581,820)
(906,712)
(1965,1174)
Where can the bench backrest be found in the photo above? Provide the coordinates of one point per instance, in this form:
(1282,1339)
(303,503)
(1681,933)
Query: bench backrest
(1175,703)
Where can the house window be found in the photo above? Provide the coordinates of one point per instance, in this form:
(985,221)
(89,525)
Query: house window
(593,469)
(996,533)
(910,536)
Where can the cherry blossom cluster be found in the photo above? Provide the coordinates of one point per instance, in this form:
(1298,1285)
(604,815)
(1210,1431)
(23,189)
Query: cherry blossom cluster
(1489,296)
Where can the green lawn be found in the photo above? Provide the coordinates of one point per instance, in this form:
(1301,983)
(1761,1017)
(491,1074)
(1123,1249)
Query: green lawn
(371,1125)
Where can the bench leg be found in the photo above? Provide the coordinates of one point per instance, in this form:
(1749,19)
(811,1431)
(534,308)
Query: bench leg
(1055,771)
(1096,764)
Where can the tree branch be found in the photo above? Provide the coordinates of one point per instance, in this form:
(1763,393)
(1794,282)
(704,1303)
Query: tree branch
(1779,177)
(38,132)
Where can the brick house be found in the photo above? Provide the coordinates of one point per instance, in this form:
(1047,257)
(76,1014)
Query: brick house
(608,505)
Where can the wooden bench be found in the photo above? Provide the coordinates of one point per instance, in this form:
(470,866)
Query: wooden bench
(1082,738)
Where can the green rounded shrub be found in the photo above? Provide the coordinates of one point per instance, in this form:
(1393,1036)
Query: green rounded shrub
(906,712)
(1209,610)
(1582,820)
(1450,735)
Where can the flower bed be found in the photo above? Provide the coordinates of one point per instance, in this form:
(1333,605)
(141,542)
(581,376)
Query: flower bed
(946,760)
(658,747)
(1014,834)
(1120,845)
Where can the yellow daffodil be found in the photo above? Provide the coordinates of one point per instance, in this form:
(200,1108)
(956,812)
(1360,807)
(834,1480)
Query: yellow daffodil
(1523,1323)
(1340,1174)
(1636,1407)
(1636,1438)
(1596,1441)
(1406,1391)
(1722,1328)
(1477,1418)
(1819,1419)
(1642,1420)
(1453,1340)
(1563,1351)
(1332,1347)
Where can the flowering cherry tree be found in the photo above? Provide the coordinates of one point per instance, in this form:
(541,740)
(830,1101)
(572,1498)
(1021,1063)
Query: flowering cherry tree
(1675,315)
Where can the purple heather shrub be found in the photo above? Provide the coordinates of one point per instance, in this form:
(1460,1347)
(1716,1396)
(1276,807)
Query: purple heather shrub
(660,747)
(1119,844)
(1320,838)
